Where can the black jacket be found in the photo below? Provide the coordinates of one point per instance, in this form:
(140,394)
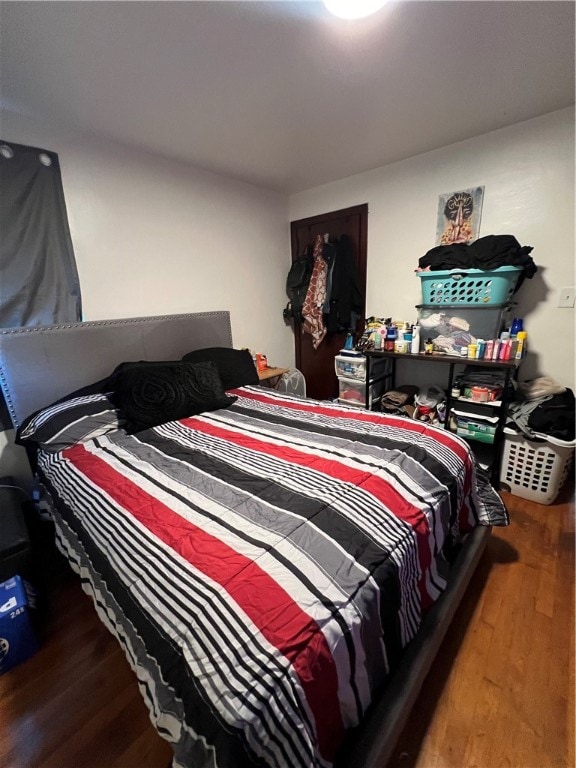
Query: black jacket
(346,301)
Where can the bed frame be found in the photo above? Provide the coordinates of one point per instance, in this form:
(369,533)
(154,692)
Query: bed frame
(41,364)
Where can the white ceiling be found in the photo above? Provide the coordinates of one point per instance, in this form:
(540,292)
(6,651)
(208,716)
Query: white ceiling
(280,94)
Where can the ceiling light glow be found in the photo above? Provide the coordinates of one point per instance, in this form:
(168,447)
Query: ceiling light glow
(353,9)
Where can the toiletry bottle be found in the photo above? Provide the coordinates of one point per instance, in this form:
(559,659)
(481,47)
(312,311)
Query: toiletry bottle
(521,348)
(504,345)
(516,327)
(415,345)
(428,347)
(391,336)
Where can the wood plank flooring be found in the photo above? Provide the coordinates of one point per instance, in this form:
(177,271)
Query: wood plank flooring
(501,694)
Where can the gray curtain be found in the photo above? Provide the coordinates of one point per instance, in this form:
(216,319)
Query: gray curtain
(38,277)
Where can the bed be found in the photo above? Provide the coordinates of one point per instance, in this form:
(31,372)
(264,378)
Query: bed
(279,571)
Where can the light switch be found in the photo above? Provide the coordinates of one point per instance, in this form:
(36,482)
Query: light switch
(566,297)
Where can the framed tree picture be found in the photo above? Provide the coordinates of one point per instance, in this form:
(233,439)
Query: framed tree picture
(459,216)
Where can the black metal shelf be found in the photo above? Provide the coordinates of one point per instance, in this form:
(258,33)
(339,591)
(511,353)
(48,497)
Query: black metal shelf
(510,367)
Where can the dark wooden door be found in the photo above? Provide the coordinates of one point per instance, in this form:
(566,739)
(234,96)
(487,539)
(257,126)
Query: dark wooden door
(317,365)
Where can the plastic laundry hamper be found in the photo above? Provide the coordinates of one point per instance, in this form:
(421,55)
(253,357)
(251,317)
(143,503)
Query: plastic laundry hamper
(469,286)
(534,470)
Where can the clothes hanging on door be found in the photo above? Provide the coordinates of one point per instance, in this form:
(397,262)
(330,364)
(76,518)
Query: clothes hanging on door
(316,296)
(345,302)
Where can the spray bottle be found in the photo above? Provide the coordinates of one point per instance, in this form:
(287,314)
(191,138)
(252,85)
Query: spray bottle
(415,343)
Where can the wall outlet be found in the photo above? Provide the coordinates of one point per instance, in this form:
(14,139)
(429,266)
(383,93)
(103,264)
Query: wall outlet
(566,297)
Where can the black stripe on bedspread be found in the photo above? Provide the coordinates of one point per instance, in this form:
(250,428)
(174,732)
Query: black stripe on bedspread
(175,672)
(423,458)
(363,550)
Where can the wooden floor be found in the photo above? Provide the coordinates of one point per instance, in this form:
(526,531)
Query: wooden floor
(501,694)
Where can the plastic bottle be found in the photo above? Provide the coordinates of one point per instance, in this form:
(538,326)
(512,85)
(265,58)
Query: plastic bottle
(521,348)
(504,352)
(516,327)
(391,336)
(415,343)
(428,347)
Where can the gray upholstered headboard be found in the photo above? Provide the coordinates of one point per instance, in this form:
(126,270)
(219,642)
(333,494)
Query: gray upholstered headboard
(39,365)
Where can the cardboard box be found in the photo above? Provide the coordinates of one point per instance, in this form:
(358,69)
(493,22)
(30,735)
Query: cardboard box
(17,636)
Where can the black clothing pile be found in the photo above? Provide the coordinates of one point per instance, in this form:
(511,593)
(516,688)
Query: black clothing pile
(486,253)
(552,415)
(555,416)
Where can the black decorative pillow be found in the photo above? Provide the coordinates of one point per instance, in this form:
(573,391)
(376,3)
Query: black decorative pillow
(71,420)
(152,394)
(235,366)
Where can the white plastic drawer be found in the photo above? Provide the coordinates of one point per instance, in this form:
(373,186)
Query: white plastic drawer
(352,391)
(350,367)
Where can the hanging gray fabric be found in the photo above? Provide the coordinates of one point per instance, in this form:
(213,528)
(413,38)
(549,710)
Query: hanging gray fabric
(38,278)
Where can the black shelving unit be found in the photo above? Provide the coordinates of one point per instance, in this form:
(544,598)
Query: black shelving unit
(510,368)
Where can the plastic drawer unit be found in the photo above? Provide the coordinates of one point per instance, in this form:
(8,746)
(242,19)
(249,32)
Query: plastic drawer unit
(350,367)
(353,392)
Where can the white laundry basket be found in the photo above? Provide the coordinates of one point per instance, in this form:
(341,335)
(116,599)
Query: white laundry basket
(534,470)
(292,382)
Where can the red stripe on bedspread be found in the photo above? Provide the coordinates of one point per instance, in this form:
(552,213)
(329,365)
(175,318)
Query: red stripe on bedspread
(444,437)
(282,622)
(376,485)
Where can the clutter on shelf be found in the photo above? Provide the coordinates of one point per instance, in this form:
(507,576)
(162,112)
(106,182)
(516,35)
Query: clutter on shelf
(472,332)
(430,405)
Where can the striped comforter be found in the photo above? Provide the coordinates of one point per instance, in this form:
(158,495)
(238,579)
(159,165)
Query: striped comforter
(265,564)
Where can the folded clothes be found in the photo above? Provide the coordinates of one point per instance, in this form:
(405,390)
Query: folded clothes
(486,377)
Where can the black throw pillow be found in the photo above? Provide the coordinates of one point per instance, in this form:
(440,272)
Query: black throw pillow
(152,394)
(235,366)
